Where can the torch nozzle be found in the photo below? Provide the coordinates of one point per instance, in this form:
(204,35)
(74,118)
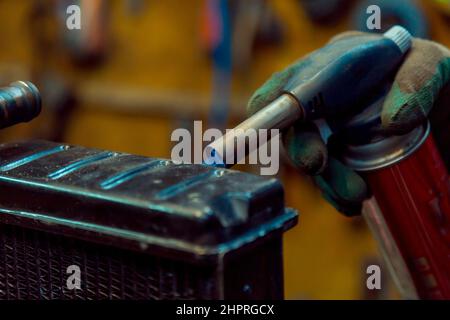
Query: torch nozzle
(336,88)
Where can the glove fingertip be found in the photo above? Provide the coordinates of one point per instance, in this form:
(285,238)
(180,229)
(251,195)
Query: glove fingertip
(346,208)
(416,88)
(402,111)
(306,149)
(347,184)
(342,187)
(271,89)
(256,102)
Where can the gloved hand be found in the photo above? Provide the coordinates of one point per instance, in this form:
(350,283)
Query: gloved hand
(424,72)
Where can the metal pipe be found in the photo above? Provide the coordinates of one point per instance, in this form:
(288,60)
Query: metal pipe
(20,102)
(281,113)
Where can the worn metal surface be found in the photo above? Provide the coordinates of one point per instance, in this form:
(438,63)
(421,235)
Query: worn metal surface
(104,206)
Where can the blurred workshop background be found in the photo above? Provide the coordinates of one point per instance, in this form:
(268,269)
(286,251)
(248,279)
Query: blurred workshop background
(138,69)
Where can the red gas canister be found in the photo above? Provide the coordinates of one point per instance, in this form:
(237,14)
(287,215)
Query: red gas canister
(411,187)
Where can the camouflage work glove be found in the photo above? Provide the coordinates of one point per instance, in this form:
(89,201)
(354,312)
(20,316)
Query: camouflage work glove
(424,72)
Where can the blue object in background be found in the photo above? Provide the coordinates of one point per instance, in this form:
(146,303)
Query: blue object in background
(222,64)
(325,11)
(406,13)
